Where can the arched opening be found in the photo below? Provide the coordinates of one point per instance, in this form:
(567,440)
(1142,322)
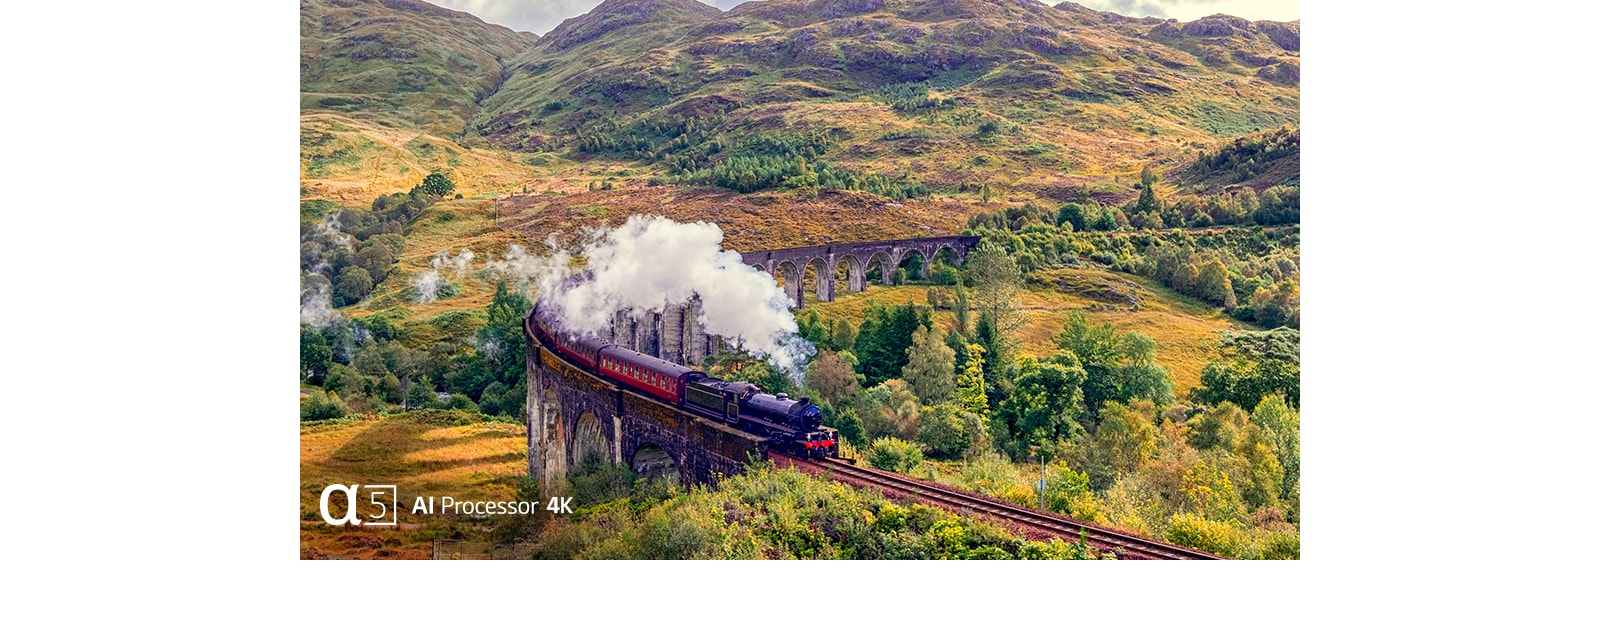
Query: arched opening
(915,266)
(944,269)
(848,277)
(877,269)
(790,279)
(817,281)
(588,442)
(555,435)
(652,462)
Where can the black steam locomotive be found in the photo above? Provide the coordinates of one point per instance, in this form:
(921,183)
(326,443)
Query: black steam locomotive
(792,426)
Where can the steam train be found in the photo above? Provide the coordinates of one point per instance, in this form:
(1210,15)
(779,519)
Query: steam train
(792,426)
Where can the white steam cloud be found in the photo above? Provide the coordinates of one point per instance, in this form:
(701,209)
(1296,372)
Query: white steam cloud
(651,262)
(316,303)
(443,265)
(530,271)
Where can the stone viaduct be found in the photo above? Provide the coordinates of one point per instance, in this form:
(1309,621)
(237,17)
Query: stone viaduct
(791,264)
(573,415)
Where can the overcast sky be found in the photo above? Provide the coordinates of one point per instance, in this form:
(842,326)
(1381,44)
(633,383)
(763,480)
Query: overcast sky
(540,16)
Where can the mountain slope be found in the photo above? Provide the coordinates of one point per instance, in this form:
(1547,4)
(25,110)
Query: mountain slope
(1025,97)
(399,61)
(386,87)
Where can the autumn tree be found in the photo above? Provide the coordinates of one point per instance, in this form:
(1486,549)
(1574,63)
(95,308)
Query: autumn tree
(1213,285)
(1127,435)
(831,377)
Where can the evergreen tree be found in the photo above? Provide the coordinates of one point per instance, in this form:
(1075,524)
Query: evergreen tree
(844,335)
(885,336)
(1147,203)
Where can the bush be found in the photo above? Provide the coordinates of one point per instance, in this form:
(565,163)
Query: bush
(1194,531)
(320,407)
(895,455)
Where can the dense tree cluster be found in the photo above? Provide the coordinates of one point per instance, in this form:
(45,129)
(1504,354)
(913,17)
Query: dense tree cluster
(1249,155)
(912,98)
(369,364)
(695,152)
(348,251)
(1219,471)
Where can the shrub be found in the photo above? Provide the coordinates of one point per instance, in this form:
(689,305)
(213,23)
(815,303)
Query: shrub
(320,407)
(894,455)
(1191,530)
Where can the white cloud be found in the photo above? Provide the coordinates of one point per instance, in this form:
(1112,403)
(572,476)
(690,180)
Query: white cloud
(539,16)
(1186,10)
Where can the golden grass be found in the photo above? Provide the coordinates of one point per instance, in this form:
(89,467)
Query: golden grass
(480,462)
(375,160)
(1185,331)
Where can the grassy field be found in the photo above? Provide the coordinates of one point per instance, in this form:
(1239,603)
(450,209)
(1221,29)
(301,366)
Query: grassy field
(422,453)
(1185,330)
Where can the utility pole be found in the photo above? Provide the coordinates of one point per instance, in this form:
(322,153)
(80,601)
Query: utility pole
(1041,481)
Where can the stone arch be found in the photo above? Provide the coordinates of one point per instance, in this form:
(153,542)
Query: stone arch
(815,274)
(652,461)
(555,432)
(854,276)
(883,263)
(915,262)
(588,440)
(792,279)
(944,256)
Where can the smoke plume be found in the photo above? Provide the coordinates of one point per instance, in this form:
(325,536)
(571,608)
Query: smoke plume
(651,262)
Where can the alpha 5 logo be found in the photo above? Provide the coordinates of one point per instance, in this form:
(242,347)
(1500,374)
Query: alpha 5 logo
(378,508)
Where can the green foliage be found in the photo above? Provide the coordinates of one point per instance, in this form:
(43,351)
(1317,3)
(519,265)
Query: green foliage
(912,98)
(768,161)
(1244,375)
(596,482)
(1210,493)
(1042,407)
(740,366)
(320,407)
(945,429)
(894,454)
(1248,156)
(1067,491)
(884,339)
(930,367)
(772,513)
(1282,428)
(421,395)
(970,388)
(1127,435)
(843,336)
(1200,533)
(849,425)
(316,356)
(831,377)
(353,285)
(1217,427)
(437,184)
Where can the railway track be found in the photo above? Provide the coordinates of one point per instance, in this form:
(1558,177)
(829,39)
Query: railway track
(1032,523)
